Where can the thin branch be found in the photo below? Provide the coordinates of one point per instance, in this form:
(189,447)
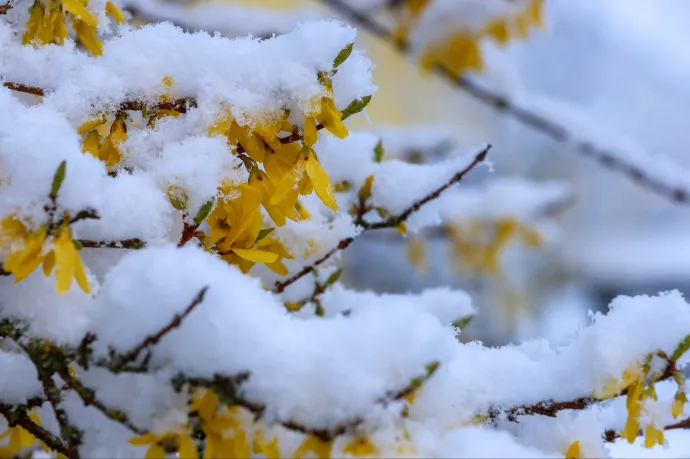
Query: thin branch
(342,245)
(24,88)
(6,7)
(20,418)
(133,243)
(130,356)
(551,408)
(395,221)
(88,397)
(391,222)
(611,435)
(525,116)
(179,105)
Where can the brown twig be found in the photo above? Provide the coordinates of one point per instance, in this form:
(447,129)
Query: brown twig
(391,222)
(20,418)
(123,360)
(133,243)
(6,7)
(540,123)
(179,105)
(88,397)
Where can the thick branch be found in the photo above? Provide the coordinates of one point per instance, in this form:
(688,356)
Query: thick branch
(391,222)
(525,116)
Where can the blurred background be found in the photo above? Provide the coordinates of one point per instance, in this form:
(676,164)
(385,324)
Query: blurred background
(569,232)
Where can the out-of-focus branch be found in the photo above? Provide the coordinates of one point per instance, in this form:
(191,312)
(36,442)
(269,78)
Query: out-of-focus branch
(6,7)
(524,115)
(390,222)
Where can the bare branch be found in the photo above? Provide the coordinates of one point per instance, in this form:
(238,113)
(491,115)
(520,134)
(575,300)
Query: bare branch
(133,243)
(391,222)
(130,356)
(6,7)
(18,416)
(88,397)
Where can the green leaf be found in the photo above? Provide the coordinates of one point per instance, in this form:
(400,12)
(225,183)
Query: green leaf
(58,178)
(326,81)
(333,278)
(343,55)
(204,211)
(178,199)
(378,151)
(681,349)
(356,106)
(431,368)
(77,244)
(417,382)
(263,233)
(462,322)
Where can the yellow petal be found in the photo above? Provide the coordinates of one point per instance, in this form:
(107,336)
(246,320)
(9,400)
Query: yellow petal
(60,27)
(33,23)
(64,259)
(77,8)
(91,143)
(310,133)
(332,118)
(141,440)
(115,12)
(92,123)
(319,179)
(187,448)
(155,452)
(87,36)
(49,263)
(287,184)
(573,451)
(257,256)
(278,267)
(80,274)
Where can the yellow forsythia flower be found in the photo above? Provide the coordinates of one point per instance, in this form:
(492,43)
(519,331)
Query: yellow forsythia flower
(322,449)
(66,258)
(261,446)
(573,451)
(161,444)
(361,447)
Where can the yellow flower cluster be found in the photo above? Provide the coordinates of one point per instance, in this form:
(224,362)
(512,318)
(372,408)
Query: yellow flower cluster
(282,167)
(236,229)
(638,382)
(477,247)
(231,432)
(460,51)
(26,250)
(48,23)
